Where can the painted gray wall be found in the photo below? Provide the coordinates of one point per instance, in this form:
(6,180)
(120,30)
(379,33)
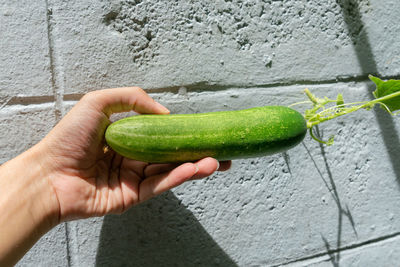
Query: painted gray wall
(311,206)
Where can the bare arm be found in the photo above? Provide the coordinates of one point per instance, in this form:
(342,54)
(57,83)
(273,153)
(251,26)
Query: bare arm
(28,206)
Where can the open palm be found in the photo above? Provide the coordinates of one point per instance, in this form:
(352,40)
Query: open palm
(88,179)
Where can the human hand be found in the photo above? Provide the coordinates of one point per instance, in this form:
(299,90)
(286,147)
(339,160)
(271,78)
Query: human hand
(88,181)
(68,175)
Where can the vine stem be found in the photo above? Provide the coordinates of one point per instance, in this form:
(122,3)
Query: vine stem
(383,98)
(300,103)
(319,104)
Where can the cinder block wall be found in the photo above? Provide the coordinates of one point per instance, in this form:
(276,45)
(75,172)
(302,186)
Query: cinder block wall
(311,206)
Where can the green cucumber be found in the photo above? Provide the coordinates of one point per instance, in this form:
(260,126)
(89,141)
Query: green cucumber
(224,135)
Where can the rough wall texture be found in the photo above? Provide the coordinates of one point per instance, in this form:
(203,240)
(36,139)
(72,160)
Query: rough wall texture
(311,206)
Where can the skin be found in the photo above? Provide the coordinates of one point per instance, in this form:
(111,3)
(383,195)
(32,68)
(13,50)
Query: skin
(70,175)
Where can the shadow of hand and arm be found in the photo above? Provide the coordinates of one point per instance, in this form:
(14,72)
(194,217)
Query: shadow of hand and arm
(159,232)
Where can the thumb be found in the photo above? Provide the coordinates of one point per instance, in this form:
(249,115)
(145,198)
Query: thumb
(124,99)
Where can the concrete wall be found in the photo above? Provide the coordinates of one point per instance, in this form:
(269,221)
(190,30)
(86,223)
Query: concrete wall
(311,206)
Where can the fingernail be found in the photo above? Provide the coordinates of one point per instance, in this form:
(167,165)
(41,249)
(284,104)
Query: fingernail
(217,166)
(162,108)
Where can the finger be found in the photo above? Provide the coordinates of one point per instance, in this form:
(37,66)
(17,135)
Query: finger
(160,183)
(207,166)
(154,169)
(130,182)
(114,201)
(124,99)
(136,166)
(130,177)
(102,178)
(123,184)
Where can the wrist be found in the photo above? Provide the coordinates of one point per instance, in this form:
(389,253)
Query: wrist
(38,178)
(28,205)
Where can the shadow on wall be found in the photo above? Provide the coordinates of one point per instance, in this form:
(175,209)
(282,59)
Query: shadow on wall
(343,211)
(159,232)
(359,36)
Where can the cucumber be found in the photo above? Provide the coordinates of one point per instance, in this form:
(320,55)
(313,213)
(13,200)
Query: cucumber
(224,135)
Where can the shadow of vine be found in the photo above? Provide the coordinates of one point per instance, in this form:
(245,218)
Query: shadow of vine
(343,209)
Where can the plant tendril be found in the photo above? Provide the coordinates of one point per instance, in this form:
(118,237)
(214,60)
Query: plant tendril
(320,113)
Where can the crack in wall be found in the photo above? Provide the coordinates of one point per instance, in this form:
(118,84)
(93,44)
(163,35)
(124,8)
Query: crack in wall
(54,83)
(56,98)
(342,249)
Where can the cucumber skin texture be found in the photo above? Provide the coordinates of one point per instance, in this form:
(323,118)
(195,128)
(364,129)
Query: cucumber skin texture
(224,135)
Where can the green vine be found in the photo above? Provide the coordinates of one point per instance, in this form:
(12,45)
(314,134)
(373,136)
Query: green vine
(387,95)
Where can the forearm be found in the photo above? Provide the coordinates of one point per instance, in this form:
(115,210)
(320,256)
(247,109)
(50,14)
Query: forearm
(27,205)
